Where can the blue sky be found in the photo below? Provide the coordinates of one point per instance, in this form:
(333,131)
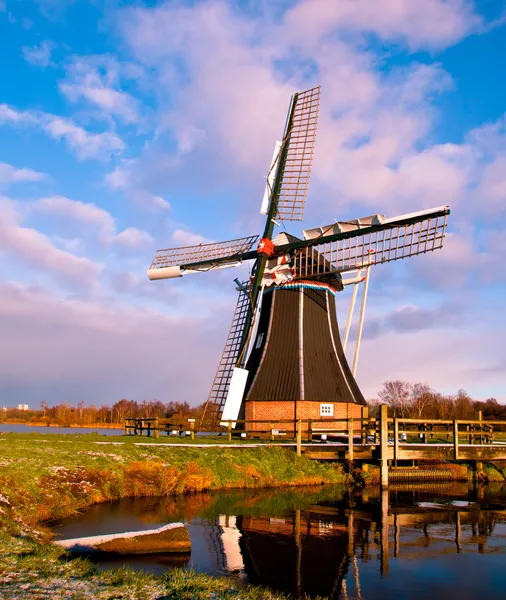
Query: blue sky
(130,126)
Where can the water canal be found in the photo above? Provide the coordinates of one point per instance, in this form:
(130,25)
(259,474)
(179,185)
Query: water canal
(447,542)
(22,428)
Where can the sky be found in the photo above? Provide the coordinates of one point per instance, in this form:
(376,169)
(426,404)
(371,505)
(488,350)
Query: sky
(131,126)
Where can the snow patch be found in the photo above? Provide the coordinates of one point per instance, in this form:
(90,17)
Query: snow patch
(88,543)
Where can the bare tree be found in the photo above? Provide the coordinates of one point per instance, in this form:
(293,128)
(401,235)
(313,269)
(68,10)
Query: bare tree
(421,400)
(397,395)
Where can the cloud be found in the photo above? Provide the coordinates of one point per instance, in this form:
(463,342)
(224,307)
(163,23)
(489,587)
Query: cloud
(447,362)
(411,318)
(133,238)
(187,238)
(39,55)
(417,23)
(486,198)
(10,115)
(136,284)
(87,214)
(98,80)
(492,190)
(70,347)
(93,218)
(123,179)
(35,250)
(10,174)
(372,148)
(84,143)
(109,100)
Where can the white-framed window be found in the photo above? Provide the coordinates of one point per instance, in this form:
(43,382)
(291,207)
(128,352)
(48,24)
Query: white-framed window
(326,410)
(259,340)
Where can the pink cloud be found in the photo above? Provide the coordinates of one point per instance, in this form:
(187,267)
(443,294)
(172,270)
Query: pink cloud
(446,362)
(100,352)
(371,126)
(91,216)
(85,144)
(419,23)
(32,248)
(187,238)
(10,174)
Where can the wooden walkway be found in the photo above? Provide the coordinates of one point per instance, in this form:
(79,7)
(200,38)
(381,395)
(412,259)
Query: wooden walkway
(385,441)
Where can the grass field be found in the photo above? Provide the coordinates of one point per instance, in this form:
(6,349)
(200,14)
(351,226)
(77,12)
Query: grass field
(48,476)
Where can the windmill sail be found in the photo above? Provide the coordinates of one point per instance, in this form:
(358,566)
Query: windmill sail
(173,262)
(296,156)
(392,239)
(219,389)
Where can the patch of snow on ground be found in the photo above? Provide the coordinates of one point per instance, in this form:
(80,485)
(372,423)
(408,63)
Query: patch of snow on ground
(87,543)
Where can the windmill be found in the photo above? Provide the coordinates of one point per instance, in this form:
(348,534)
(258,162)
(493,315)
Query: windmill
(283,358)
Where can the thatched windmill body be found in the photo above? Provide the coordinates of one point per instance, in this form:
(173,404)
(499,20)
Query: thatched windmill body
(283,358)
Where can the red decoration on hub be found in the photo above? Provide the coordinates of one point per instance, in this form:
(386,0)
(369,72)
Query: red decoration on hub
(265,246)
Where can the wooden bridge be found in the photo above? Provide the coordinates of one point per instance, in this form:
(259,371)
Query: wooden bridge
(385,441)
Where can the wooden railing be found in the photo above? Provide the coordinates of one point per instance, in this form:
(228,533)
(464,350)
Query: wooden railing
(385,438)
(384,432)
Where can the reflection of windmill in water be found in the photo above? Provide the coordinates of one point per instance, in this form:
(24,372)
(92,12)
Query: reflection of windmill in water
(283,358)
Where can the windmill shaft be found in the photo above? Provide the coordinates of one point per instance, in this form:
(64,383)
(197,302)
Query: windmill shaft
(269,223)
(273,207)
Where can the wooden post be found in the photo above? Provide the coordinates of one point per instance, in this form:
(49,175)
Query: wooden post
(157,431)
(479,417)
(384,567)
(192,430)
(299,437)
(310,430)
(384,444)
(455,440)
(364,423)
(298,546)
(458,531)
(229,431)
(351,537)
(350,439)
(396,438)
(397,537)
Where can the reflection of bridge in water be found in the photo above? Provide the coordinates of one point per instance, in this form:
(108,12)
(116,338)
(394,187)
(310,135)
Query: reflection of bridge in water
(319,550)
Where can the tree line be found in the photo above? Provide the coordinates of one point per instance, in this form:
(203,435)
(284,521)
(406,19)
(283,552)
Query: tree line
(404,399)
(65,415)
(418,401)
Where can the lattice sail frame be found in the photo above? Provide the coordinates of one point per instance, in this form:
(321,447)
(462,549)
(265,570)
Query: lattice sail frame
(299,149)
(230,355)
(370,247)
(188,255)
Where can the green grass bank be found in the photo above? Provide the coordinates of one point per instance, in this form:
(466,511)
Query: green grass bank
(50,476)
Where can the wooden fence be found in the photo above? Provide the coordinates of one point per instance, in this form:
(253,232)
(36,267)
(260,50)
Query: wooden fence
(385,440)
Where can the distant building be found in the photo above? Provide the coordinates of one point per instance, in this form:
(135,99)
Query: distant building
(23,407)
(4,409)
